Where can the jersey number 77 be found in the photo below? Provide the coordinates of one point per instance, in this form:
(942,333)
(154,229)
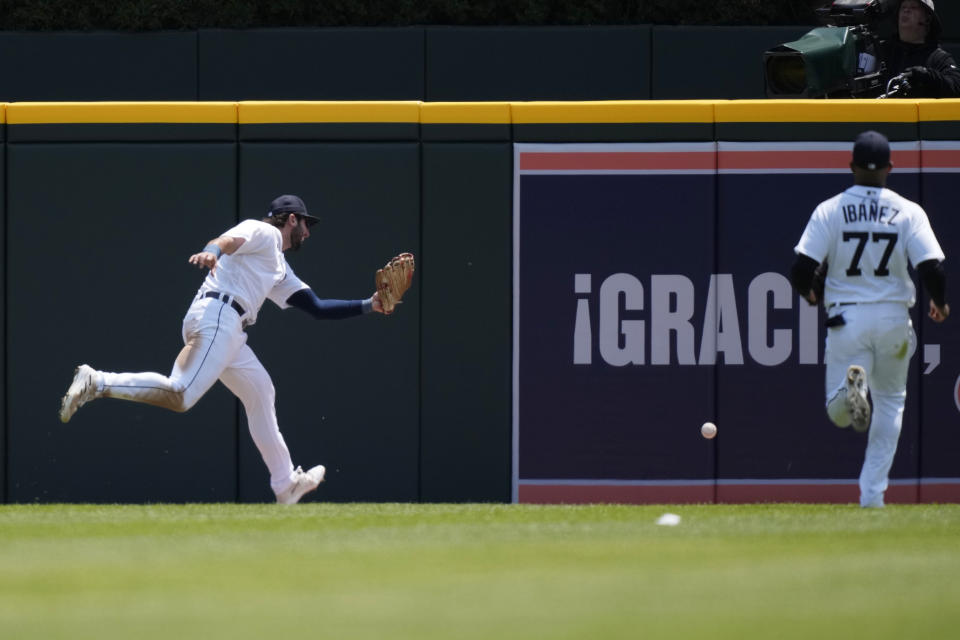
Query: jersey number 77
(862,237)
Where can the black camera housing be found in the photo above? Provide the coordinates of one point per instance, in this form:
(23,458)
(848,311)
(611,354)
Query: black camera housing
(838,60)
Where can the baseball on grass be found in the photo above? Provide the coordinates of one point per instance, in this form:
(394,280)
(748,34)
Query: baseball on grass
(708,430)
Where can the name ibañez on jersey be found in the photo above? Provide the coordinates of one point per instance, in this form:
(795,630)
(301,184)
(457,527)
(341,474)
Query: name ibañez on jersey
(869,212)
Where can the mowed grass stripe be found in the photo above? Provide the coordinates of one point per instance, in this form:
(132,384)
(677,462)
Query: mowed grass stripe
(478,571)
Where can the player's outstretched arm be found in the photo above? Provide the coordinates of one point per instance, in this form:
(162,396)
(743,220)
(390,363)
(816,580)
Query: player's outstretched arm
(215,248)
(307,300)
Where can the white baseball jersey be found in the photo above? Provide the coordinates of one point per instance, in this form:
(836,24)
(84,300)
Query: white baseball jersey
(256,271)
(868,235)
(215,346)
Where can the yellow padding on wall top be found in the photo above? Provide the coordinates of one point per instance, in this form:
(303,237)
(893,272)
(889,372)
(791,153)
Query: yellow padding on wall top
(121,112)
(412,112)
(817,111)
(616,111)
(465,113)
(939,110)
(255,112)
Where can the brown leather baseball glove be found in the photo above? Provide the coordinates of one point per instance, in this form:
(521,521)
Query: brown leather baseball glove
(393,280)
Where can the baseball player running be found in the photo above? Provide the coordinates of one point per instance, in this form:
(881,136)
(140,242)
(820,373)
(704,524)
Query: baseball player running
(853,256)
(247,266)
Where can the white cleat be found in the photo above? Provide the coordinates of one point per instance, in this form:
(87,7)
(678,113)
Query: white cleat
(82,390)
(857,402)
(303,483)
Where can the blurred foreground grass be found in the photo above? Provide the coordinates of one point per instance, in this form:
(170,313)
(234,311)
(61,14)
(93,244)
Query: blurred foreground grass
(478,571)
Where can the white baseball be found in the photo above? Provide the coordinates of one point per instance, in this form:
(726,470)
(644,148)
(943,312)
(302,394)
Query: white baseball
(668,520)
(708,430)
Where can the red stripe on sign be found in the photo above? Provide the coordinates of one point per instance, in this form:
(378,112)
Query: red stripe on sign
(939,493)
(846,493)
(619,161)
(941,158)
(815,159)
(784,159)
(909,159)
(616,494)
(830,493)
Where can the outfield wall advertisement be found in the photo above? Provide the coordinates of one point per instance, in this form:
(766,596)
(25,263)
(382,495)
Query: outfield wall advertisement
(651,296)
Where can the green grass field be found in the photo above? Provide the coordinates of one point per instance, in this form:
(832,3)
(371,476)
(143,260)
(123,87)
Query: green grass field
(478,571)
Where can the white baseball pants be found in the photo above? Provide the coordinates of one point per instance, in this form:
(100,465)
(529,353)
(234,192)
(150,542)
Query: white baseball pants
(215,348)
(880,338)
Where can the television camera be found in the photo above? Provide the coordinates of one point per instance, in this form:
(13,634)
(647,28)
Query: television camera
(838,60)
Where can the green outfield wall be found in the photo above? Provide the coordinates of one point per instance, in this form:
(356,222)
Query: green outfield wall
(104,202)
(429,63)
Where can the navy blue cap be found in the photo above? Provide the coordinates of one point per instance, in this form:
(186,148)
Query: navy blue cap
(871,151)
(290,204)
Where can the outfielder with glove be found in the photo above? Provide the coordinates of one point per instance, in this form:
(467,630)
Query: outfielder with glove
(247,266)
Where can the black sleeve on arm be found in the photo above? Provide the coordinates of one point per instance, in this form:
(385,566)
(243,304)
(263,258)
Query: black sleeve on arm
(945,74)
(802,272)
(307,300)
(934,280)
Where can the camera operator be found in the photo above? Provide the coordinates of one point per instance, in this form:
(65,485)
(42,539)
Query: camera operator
(925,69)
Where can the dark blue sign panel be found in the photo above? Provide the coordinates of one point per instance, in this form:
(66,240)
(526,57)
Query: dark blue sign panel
(940,400)
(613,260)
(651,296)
